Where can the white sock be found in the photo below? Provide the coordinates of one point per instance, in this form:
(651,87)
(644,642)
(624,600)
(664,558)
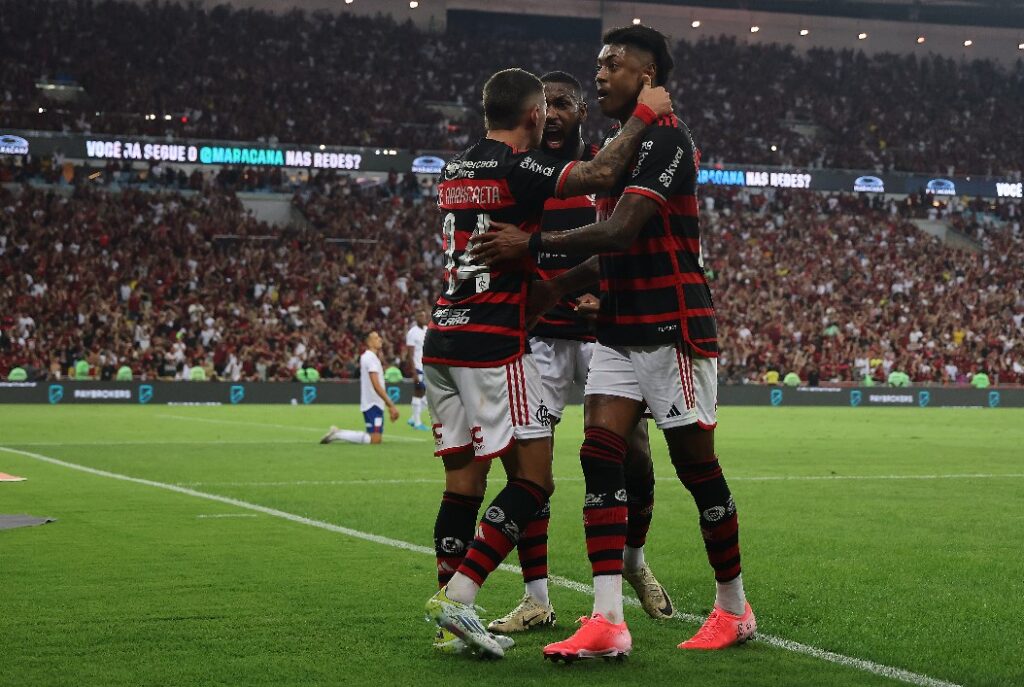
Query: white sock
(351,436)
(608,597)
(462,589)
(417,408)
(538,589)
(633,559)
(730,597)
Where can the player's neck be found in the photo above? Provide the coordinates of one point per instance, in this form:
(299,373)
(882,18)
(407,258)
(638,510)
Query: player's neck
(516,139)
(624,116)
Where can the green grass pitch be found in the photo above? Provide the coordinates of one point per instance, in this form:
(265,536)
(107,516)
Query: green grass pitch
(894,536)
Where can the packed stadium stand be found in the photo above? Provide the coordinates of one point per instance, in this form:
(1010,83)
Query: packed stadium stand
(250,75)
(162,269)
(833,287)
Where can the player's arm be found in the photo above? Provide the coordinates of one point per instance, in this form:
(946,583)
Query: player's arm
(608,165)
(544,295)
(410,356)
(379,388)
(613,234)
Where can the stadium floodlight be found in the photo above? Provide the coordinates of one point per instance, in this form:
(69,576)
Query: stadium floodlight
(413,4)
(774,147)
(968,43)
(695,23)
(861,36)
(636,21)
(1020,46)
(920,40)
(755,29)
(804,32)
(322,146)
(167,117)
(42,110)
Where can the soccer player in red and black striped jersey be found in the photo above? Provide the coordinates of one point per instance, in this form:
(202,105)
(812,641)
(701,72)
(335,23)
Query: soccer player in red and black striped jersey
(562,343)
(482,383)
(657,343)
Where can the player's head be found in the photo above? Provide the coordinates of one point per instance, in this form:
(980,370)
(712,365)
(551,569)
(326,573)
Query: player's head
(422,317)
(567,110)
(374,341)
(628,54)
(514,99)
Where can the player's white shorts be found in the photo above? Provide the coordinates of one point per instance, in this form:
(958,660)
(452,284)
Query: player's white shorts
(680,388)
(562,363)
(486,408)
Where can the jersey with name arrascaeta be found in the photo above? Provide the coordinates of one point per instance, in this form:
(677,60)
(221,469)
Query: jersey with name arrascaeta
(479,318)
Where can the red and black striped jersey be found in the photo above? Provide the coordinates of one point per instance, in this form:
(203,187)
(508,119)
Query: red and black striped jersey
(655,292)
(562,321)
(480,317)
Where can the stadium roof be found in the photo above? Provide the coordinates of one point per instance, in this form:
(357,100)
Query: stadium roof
(1004,13)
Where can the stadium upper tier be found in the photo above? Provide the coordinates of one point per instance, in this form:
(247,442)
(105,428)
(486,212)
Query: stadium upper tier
(246,75)
(836,287)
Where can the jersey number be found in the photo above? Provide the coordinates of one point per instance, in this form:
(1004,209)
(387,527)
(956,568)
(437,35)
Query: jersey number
(456,275)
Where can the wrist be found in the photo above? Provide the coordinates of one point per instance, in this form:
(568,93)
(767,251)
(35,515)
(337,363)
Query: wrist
(645,114)
(534,245)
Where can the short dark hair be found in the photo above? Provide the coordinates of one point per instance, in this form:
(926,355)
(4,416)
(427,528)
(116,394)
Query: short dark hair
(505,97)
(563,77)
(645,38)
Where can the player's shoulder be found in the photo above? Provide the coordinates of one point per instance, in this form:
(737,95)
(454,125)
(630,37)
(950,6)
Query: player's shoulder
(481,160)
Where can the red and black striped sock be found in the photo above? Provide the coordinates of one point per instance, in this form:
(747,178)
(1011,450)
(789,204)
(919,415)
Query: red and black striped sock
(640,502)
(453,531)
(533,546)
(501,527)
(604,508)
(718,523)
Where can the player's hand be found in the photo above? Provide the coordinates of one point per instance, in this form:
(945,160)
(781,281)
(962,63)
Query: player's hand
(508,242)
(587,305)
(657,99)
(542,297)
(393,412)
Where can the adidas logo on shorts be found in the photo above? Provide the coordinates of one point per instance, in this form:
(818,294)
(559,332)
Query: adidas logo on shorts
(673,411)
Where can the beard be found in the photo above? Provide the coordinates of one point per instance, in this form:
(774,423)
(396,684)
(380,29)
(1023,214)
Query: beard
(566,148)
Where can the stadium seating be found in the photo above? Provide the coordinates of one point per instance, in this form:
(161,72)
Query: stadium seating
(249,75)
(832,287)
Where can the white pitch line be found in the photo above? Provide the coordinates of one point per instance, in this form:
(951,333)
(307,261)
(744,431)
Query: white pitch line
(229,515)
(163,443)
(763,478)
(388,437)
(780,642)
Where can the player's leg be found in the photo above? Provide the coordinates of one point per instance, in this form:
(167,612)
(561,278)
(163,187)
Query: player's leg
(612,406)
(639,470)
(681,390)
(503,407)
(534,609)
(374,422)
(465,482)
(511,423)
(419,403)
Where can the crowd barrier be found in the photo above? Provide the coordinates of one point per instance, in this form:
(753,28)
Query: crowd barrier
(227,393)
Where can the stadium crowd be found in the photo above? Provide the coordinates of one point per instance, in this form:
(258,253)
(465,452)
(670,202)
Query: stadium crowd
(244,74)
(834,288)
